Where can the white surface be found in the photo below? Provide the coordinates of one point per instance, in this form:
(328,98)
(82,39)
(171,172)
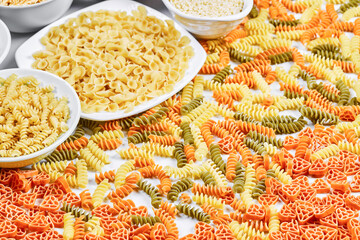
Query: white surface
(29,18)
(62,88)
(208,27)
(5,41)
(24,57)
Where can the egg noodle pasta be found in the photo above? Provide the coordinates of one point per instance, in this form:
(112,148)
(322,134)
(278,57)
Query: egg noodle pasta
(115,61)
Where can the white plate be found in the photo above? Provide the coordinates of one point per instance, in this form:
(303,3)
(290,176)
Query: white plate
(24,57)
(62,88)
(5,41)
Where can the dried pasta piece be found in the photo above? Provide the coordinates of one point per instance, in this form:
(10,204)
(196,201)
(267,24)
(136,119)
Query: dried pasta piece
(100,192)
(109,144)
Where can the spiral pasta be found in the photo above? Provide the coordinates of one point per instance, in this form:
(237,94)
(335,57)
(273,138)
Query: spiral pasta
(180,186)
(68,226)
(179,154)
(154,117)
(140,220)
(51,166)
(131,153)
(79,132)
(354,148)
(158,149)
(281,175)
(62,155)
(91,160)
(212,201)
(207,178)
(79,229)
(99,193)
(82,174)
(317,116)
(325,152)
(151,191)
(76,144)
(192,212)
(109,144)
(98,152)
(92,224)
(94,126)
(215,155)
(77,212)
(274,223)
(86,201)
(121,172)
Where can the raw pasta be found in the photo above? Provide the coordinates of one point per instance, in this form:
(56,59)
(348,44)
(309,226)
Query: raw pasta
(142,58)
(31,117)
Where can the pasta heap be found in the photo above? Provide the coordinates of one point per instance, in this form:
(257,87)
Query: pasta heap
(116,61)
(31,118)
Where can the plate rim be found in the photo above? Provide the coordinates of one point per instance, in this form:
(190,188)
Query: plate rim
(63,136)
(8,41)
(192,71)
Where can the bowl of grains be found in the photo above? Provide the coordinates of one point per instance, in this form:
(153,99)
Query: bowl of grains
(23,16)
(209,19)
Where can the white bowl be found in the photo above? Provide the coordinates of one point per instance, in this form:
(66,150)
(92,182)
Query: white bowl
(24,55)
(62,88)
(30,18)
(5,41)
(209,27)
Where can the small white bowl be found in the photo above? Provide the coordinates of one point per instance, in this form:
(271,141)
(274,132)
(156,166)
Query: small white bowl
(30,18)
(62,88)
(209,27)
(5,41)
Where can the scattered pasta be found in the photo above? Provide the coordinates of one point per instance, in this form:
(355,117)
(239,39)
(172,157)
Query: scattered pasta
(226,162)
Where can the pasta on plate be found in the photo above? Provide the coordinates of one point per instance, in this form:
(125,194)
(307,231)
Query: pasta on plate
(114,60)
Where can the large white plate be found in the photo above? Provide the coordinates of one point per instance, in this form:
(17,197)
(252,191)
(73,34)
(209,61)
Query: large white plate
(61,89)
(24,57)
(5,41)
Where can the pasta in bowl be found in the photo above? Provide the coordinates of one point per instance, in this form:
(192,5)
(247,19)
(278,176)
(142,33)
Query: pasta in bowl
(120,62)
(38,111)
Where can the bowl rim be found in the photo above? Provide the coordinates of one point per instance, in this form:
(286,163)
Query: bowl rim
(8,41)
(63,136)
(248,4)
(28,6)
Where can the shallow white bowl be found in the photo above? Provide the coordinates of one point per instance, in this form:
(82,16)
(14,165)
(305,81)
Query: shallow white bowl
(62,88)
(30,18)
(5,41)
(209,27)
(24,58)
